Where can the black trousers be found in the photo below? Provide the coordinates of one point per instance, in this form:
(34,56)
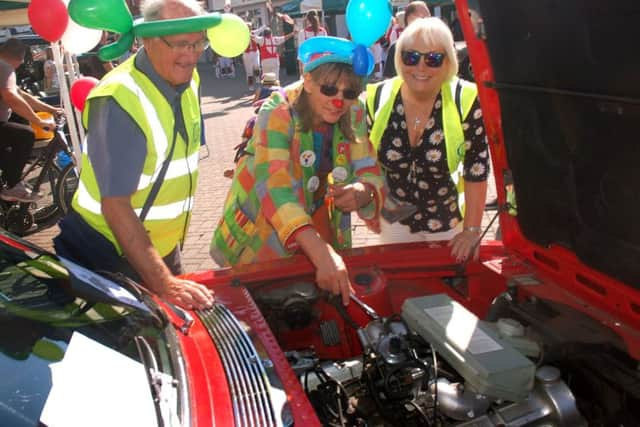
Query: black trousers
(16,143)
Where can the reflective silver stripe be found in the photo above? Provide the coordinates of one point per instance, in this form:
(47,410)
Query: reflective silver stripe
(385,94)
(177,168)
(170,211)
(86,201)
(159,137)
(194,88)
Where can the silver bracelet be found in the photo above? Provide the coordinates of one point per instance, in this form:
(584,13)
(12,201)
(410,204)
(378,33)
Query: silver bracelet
(477,230)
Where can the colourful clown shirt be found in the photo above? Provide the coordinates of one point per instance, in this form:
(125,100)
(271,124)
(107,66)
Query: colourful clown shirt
(279,184)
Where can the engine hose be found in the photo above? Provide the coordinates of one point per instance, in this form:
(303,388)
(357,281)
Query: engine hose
(421,412)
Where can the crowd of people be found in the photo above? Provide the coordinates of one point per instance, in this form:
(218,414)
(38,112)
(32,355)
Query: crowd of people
(411,160)
(264,51)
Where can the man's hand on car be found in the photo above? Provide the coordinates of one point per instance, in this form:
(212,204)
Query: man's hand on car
(187,294)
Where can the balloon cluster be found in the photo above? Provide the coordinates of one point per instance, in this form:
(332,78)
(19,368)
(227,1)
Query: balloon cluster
(50,19)
(78,24)
(367,21)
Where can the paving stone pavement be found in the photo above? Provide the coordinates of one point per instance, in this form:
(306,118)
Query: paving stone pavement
(226,105)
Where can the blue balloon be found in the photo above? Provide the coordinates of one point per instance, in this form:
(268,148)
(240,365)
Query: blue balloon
(361,60)
(368,20)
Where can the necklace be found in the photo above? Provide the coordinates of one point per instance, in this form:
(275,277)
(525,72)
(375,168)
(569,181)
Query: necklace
(416,123)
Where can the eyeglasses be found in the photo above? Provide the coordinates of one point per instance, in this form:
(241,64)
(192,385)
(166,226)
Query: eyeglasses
(186,47)
(431,59)
(330,90)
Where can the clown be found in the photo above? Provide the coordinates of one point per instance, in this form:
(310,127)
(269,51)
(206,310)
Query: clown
(308,165)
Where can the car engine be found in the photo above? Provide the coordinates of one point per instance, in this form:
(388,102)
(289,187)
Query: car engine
(434,364)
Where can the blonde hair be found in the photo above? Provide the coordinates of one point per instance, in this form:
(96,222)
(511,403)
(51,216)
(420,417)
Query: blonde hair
(434,32)
(328,73)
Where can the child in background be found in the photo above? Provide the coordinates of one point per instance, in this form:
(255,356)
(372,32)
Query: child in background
(268,84)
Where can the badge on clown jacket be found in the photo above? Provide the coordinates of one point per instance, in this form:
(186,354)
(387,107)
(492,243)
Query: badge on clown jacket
(339,174)
(313,183)
(307,158)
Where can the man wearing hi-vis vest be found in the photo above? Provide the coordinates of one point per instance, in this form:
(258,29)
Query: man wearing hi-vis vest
(140,164)
(426,125)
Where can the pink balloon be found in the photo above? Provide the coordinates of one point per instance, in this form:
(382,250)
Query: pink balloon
(80,91)
(48,18)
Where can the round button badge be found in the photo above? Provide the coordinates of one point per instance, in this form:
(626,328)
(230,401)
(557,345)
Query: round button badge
(339,174)
(307,158)
(313,183)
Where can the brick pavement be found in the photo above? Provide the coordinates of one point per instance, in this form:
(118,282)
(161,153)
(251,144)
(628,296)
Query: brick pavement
(226,107)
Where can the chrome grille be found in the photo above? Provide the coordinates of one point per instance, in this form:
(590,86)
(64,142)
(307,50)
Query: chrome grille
(248,381)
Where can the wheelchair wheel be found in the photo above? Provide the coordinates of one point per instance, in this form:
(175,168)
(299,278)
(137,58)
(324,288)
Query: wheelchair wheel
(45,211)
(19,221)
(66,186)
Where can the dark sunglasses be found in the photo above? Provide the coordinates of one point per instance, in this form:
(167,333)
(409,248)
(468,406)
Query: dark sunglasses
(328,90)
(431,59)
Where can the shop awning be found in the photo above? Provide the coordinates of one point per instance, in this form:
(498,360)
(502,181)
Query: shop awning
(13,12)
(296,7)
(291,7)
(334,6)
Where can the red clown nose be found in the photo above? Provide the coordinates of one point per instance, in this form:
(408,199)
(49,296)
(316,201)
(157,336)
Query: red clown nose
(338,103)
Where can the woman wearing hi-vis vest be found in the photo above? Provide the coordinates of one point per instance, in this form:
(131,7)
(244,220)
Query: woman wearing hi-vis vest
(426,125)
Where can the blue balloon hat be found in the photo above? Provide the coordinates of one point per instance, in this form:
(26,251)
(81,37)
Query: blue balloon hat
(320,50)
(367,21)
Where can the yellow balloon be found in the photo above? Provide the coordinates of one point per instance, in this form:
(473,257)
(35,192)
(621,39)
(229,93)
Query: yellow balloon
(229,38)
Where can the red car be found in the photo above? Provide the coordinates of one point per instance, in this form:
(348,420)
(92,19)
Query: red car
(544,330)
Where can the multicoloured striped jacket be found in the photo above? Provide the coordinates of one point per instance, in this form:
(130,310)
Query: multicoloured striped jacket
(272,192)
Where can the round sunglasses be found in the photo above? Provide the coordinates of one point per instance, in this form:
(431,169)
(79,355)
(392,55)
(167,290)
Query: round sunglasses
(431,59)
(330,90)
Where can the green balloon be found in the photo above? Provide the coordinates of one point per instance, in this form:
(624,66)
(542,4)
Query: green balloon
(109,15)
(231,37)
(167,27)
(116,49)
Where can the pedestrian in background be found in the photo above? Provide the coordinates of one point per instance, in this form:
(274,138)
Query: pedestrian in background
(17,138)
(415,9)
(312,28)
(251,62)
(139,172)
(268,46)
(268,85)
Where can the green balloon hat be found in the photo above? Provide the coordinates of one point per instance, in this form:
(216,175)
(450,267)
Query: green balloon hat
(227,33)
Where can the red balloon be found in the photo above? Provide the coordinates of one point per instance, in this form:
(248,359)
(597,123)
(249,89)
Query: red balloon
(80,91)
(48,18)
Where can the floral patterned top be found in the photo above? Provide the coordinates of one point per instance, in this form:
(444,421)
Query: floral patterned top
(420,175)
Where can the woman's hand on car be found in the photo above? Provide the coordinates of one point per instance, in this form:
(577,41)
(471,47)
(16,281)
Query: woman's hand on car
(463,245)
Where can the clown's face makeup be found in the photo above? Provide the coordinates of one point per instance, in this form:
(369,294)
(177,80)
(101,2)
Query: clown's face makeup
(329,98)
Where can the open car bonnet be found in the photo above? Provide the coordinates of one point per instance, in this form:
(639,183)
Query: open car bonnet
(559,88)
